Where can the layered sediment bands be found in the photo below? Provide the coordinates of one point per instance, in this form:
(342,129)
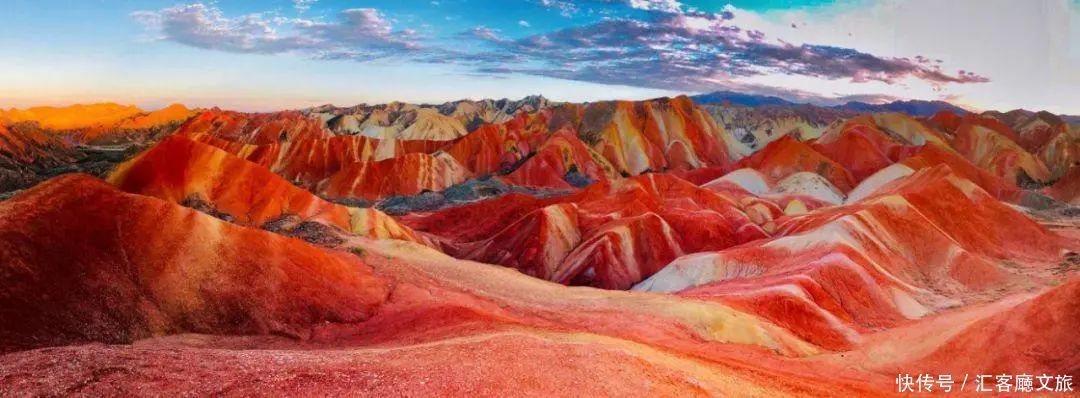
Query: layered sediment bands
(499,148)
(140,128)
(409,174)
(787,156)
(29,146)
(929,156)
(85,262)
(998,154)
(562,162)
(656,135)
(27,154)
(839,255)
(1061,151)
(903,253)
(309,161)
(443,122)
(906,130)
(461,320)
(763,200)
(610,235)
(1067,188)
(860,146)
(180,170)
(254,128)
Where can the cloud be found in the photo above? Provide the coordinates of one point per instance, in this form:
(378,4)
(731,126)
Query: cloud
(566,8)
(672,6)
(302,6)
(697,51)
(523,23)
(569,8)
(660,44)
(357,33)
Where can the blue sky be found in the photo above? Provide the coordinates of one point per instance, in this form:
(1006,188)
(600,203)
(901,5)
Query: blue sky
(986,54)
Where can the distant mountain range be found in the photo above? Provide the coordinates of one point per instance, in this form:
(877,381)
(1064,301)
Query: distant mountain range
(912,107)
(720,97)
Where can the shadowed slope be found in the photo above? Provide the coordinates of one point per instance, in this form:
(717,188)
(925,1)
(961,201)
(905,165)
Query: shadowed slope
(26,152)
(1066,189)
(24,147)
(562,162)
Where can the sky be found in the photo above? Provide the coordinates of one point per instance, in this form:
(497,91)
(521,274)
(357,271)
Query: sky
(267,55)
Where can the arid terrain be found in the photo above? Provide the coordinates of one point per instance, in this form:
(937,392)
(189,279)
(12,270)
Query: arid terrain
(533,247)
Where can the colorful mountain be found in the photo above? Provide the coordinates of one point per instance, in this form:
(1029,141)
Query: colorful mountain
(254,128)
(196,175)
(620,248)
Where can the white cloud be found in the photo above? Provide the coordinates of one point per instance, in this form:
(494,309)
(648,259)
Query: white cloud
(1030,50)
(523,23)
(656,5)
(357,33)
(302,6)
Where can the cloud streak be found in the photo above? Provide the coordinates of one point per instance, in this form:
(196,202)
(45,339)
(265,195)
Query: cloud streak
(663,45)
(696,51)
(359,33)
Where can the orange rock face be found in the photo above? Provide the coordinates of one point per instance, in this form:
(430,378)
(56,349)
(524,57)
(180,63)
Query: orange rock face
(1040,331)
(101,123)
(929,156)
(72,117)
(26,152)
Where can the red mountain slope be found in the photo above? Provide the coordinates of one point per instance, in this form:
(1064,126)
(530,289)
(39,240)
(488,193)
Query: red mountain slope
(180,170)
(787,156)
(655,135)
(997,153)
(254,128)
(562,153)
(31,146)
(408,174)
(610,235)
(915,247)
(121,267)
